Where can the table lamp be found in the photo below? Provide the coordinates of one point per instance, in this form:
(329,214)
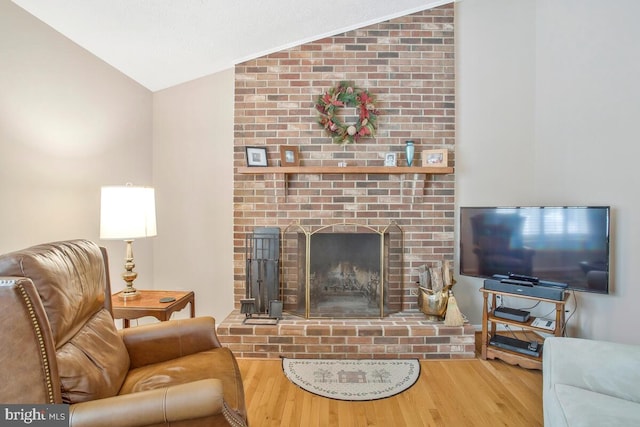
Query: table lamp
(127,212)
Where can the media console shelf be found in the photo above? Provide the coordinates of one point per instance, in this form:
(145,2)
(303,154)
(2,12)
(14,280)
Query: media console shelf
(489,323)
(288,170)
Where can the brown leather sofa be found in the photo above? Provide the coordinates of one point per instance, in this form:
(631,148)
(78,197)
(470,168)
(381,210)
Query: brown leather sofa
(59,344)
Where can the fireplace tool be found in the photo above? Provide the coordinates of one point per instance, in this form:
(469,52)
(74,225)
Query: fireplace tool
(262,303)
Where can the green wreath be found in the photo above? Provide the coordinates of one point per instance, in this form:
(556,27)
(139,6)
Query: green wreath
(346,94)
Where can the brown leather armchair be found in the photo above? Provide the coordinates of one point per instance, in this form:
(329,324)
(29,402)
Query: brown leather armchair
(60,345)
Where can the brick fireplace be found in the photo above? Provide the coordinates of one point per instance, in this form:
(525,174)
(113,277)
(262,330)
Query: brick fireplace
(407,64)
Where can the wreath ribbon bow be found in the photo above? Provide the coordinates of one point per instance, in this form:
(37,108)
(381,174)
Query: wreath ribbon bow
(346,94)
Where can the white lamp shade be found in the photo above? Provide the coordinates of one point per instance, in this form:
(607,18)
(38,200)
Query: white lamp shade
(127,212)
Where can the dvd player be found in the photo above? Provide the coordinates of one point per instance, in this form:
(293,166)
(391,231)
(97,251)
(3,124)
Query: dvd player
(530,348)
(511,314)
(546,292)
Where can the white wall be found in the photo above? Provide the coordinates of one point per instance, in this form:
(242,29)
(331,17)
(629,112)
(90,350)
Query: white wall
(548,93)
(193,175)
(69,123)
(495,60)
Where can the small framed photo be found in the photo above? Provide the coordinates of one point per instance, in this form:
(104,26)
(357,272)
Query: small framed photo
(256,156)
(435,158)
(289,155)
(390,159)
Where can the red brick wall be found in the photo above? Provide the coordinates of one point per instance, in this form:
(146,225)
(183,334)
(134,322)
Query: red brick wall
(407,64)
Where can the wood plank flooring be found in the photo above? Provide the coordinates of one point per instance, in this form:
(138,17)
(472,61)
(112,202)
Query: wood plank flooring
(455,393)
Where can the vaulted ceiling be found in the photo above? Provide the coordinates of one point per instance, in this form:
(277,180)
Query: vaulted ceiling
(162,43)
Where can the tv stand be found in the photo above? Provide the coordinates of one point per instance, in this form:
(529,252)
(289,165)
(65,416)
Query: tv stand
(490,322)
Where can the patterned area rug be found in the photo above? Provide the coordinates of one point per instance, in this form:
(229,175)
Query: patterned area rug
(352,379)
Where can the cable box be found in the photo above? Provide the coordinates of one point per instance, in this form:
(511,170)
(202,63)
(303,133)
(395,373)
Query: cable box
(511,314)
(532,348)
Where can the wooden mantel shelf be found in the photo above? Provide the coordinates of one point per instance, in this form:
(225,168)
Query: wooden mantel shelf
(257,170)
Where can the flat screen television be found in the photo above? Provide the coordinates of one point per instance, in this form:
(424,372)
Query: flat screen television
(568,245)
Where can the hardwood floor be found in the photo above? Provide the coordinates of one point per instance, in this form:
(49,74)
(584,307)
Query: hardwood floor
(455,393)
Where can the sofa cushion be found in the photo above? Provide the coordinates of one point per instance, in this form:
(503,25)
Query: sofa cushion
(94,363)
(605,367)
(586,408)
(215,363)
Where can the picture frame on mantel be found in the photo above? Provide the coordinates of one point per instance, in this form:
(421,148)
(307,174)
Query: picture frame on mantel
(256,156)
(390,159)
(435,158)
(289,155)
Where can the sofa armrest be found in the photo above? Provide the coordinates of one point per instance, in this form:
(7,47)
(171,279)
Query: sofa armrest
(159,342)
(182,402)
(28,351)
(603,367)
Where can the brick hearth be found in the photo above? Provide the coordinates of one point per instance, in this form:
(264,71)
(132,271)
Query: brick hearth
(404,335)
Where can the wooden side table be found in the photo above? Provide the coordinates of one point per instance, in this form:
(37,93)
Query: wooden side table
(148,304)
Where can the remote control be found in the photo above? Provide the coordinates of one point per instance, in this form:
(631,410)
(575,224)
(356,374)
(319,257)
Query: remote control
(543,323)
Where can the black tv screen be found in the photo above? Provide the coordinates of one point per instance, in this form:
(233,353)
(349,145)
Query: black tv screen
(568,245)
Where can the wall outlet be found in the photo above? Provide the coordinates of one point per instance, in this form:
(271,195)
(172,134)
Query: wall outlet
(413,292)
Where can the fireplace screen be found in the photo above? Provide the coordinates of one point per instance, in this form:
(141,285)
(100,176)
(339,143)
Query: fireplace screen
(342,271)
